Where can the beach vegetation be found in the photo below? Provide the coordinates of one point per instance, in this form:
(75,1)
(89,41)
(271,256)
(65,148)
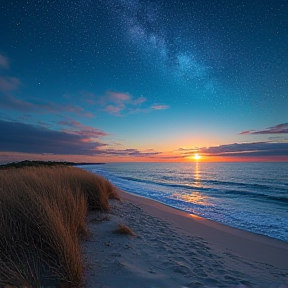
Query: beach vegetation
(123,229)
(42,220)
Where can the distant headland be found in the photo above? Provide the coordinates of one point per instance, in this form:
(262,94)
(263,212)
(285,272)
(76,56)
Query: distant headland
(28,163)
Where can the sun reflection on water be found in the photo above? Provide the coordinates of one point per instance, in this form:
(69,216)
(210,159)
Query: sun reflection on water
(194,196)
(197,175)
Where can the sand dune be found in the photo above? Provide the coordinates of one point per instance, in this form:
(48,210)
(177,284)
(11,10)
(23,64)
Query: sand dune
(173,249)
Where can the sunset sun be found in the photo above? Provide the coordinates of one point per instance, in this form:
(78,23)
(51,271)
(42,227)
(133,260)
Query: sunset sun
(196,156)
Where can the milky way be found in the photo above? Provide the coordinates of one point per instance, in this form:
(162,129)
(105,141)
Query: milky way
(171,67)
(193,45)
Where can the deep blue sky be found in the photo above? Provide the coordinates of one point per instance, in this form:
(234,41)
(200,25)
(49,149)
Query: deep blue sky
(143,80)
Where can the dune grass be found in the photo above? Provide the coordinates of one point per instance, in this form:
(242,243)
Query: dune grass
(123,229)
(42,219)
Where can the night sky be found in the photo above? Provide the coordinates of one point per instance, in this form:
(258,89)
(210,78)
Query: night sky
(143,80)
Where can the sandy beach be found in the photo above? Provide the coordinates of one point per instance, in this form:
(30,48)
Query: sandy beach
(176,249)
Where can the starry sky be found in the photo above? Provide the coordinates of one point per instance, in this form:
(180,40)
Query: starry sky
(143,80)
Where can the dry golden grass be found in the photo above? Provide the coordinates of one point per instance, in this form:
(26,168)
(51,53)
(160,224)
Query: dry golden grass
(123,229)
(42,217)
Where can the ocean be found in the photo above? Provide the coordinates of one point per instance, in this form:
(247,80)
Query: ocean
(248,196)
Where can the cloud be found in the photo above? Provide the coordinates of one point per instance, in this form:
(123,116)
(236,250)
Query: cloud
(186,152)
(8,101)
(74,139)
(25,138)
(278,139)
(159,107)
(115,103)
(247,149)
(118,97)
(52,107)
(278,129)
(8,83)
(122,103)
(131,152)
(114,110)
(76,128)
(4,62)
(187,149)
(13,103)
(139,101)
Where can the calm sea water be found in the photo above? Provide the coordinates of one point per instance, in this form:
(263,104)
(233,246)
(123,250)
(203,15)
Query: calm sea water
(249,196)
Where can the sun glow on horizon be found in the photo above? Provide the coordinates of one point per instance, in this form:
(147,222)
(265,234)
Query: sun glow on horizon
(196,156)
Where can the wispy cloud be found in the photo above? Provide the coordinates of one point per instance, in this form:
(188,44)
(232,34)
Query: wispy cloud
(9,101)
(7,82)
(278,139)
(278,129)
(159,107)
(185,152)
(4,62)
(52,107)
(76,128)
(254,149)
(247,149)
(130,152)
(122,103)
(118,97)
(118,103)
(13,103)
(187,149)
(113,110)
(139,101)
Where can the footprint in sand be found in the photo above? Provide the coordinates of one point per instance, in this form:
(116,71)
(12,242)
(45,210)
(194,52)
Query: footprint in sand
(195,285)
(182,269)
(200,272)
(230,278)
(211,282)
(192,254)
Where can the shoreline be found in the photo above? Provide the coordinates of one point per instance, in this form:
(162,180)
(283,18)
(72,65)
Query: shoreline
(177,249)
(218,233)
(201,217)
(239,201)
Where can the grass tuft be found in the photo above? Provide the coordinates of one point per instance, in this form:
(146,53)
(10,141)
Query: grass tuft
(123,229)
(42,217)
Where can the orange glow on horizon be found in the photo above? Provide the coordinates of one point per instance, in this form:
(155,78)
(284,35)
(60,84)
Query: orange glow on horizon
(7,157)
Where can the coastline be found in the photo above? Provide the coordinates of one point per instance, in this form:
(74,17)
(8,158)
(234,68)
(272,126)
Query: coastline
(231,195)
(177,249)
(216,233)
